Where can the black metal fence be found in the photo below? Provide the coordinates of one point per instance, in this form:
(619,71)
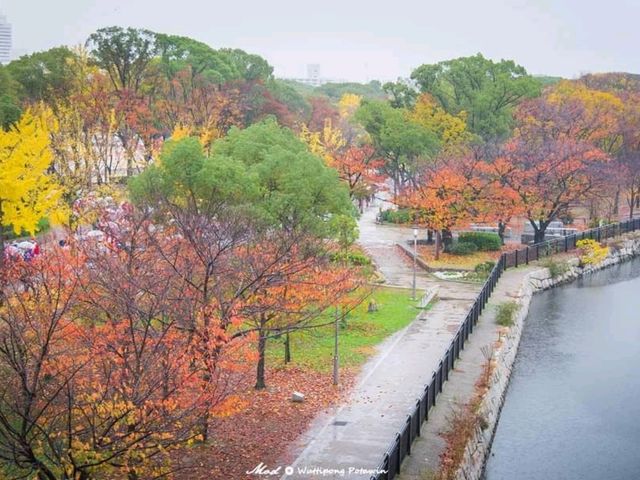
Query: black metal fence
(400,447)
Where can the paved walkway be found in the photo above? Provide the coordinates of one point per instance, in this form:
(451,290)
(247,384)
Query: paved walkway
(425,451)
(380,243)
(356,434)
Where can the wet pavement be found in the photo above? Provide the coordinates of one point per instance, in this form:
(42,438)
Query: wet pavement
(356,435)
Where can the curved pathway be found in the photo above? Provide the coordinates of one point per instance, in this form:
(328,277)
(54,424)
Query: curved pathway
(355,435)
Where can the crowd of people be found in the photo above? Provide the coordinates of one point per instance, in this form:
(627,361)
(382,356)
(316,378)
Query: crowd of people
(24,249)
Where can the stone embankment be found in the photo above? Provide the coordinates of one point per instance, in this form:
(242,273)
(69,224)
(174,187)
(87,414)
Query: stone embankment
(478,447)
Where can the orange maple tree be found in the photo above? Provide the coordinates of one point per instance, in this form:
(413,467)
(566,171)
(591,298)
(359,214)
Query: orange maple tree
(359,168)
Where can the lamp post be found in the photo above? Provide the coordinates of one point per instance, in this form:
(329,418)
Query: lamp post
(415,259)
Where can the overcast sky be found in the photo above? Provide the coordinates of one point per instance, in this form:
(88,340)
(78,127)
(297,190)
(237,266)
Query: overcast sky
(361,39)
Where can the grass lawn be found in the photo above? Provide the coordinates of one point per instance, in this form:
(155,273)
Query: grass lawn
(457,262)
(359,332)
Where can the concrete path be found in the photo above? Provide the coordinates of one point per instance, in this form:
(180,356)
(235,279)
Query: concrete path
(357,434)
(425,451)
(379,241)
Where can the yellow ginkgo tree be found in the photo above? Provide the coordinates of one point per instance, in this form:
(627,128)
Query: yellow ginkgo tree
(28,193)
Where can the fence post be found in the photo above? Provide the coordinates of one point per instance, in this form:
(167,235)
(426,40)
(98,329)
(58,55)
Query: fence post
(427,392)
(516,254)
(433,387)
(526,256)
(399,442)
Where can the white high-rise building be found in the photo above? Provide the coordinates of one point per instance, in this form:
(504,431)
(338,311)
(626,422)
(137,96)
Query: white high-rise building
(313,74)
(5,40)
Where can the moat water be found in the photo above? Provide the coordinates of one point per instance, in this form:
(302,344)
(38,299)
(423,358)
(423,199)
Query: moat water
(572,410)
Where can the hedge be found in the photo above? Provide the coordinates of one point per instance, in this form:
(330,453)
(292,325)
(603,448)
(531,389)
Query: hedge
(463,248)
(402,215)
(485,241)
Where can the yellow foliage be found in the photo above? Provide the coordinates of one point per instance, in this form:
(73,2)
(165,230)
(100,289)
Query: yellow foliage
(348,104)
(450,129)
(591,252)
(325,144)
(598,120)
(28,192)
(206,135)
(180,132)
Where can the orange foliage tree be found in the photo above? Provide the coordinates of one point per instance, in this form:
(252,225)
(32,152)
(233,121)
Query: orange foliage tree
(301,288)
(108,361)
(359,168)
(454,191)
(547,176)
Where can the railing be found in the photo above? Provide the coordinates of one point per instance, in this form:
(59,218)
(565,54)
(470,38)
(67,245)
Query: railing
(400,447)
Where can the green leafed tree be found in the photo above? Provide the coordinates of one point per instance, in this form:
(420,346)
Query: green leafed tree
(264,172)
(401,142)
(250,66)
(124,53)
(178,53)
(486,90)
(401,94)
(9,104)
(43,76)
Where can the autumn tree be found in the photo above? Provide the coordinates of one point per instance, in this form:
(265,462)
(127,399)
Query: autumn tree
(627,157)
(27,192)
(255,214)
(321,111)
(452,192)
(548,173)
(82,141)
(358,167)
(38,368)
(451,130)
(113,358)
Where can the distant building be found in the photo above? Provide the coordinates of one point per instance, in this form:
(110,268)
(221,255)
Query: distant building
(313,74)
(5,40)
(313,77)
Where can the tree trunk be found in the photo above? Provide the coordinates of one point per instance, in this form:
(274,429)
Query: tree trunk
(616,201)
(447,239)
(538,234)
(395,186)
(262,343)
(287,348)
(437,255)
(501,229)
